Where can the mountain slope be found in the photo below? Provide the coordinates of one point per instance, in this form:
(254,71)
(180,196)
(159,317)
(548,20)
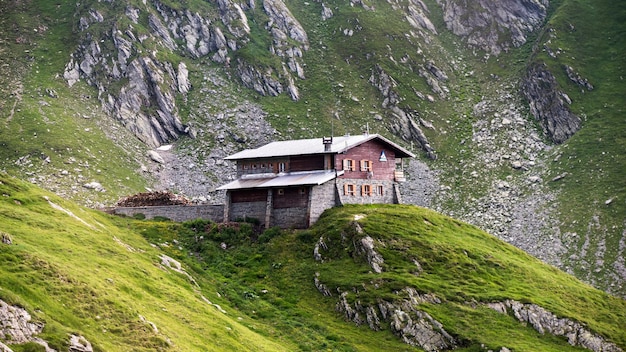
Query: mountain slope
(515,108)
(123,284)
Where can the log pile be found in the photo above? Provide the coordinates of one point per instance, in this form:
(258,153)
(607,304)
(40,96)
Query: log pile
(150,199)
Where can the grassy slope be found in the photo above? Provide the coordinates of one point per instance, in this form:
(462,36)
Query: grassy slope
(463,264)
(591,38)
(98,279)
(98,276)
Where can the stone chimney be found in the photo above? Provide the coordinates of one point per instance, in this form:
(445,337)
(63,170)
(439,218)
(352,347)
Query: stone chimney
(328,142)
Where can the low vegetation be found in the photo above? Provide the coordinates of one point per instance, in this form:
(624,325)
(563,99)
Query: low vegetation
(116,281)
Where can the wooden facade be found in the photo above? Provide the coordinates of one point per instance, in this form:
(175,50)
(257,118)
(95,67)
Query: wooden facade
(294,186)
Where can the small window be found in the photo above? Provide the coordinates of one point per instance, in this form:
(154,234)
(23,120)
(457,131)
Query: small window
(245,166)
(281,192)
(366,165)
(281,167)
(379,190)
(302,191)
(349,189)
(263,166)
(254,166)
(366,190)
(349,165)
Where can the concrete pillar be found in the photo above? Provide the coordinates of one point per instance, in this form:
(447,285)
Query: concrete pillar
(227,206)
(268,209)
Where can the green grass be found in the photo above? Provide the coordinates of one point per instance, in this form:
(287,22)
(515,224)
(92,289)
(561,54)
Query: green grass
(591,36)
(98,279)
(99,275)
(460,264)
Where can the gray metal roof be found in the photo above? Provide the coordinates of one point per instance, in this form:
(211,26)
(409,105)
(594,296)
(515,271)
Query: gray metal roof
(314,146)
(306,178)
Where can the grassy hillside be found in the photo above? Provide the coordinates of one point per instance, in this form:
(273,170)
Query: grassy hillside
(80,271)
(591,37)
(84,272)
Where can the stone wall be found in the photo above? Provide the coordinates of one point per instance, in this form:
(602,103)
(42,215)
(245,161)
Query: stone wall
(322,197)
(287,218)
(388,196)
(176,212)
(248,210)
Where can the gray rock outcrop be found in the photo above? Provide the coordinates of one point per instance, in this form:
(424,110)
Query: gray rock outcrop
(417,15)
(545,321)
(494,26)
(403,123)
(17,327)
(548,104)
(140,88)
(576,78)
(414,326)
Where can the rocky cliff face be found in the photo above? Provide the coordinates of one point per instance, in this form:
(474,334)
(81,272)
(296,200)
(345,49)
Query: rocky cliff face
(138,85)
(548,104)
(494,26)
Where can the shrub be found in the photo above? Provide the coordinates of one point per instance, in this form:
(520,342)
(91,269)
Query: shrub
(270,233)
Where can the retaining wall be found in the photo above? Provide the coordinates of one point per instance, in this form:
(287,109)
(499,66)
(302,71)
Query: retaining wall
(176,212)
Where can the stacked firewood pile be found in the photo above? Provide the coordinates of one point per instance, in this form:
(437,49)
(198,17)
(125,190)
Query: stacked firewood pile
(149,199)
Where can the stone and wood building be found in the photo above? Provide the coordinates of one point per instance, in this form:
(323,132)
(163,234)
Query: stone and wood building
(290,183)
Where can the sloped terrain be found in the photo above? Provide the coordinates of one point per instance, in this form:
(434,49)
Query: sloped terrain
(365,278)
(514,108)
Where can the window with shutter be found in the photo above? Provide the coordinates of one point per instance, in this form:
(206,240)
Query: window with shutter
(349,165)
(366,165)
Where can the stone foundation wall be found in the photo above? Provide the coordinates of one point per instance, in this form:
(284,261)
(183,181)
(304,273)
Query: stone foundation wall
(176,212)
(322,197)
(289,218)
(248,210)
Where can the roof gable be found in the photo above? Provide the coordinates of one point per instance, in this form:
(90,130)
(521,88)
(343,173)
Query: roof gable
(315,146)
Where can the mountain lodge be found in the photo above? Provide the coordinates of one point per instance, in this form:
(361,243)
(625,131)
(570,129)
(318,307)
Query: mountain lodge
(289,184)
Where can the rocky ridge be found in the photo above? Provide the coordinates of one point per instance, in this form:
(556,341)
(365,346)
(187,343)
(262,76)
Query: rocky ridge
(544,321)
(403,122)
(413,325)
(141,89)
